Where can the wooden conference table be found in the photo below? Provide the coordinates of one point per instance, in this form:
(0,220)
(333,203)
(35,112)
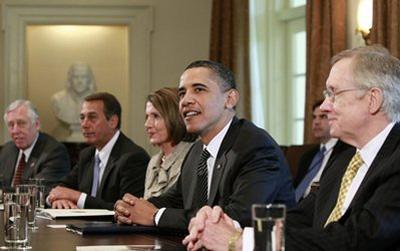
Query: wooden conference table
(58,239)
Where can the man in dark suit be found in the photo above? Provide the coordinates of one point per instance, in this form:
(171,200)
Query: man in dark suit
(112,166)
(243,164)
(358,204)
(313,162)
(30,153)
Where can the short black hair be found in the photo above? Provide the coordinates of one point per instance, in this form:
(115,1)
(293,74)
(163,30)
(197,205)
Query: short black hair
(226,75)
(111,105)
(317,104)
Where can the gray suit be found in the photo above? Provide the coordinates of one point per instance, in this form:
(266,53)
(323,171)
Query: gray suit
(49,160)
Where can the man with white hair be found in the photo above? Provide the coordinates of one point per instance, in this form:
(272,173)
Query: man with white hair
(30,153)
(357,206)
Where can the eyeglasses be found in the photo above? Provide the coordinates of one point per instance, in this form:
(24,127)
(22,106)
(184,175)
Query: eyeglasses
(332,95)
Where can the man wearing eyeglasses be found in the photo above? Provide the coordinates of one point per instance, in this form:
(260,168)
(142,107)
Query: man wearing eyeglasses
(358,204)
(313,163)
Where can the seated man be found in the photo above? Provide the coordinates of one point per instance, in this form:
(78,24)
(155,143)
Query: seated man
(112,166)
(234,164)
(357,205)
(30,153)
(313,162)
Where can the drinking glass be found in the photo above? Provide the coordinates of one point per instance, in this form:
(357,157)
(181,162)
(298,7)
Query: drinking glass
(30,189)
(16,220)
(41,192)
(269,227)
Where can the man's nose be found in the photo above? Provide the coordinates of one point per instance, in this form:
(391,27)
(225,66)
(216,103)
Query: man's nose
(327,105)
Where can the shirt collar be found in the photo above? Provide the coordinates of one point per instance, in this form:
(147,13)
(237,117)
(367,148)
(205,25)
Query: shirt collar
(28,150)
(105,152)
(215,143)
(329,145)
(371,149)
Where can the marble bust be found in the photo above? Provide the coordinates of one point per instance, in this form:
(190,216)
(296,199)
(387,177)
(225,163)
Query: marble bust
(67,103)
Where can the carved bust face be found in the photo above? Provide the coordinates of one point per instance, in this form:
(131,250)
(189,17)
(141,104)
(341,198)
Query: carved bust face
(80,79)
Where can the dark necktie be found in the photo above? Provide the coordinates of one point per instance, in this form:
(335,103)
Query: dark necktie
(96,174)
(202,178)
(19,171)
(311,172)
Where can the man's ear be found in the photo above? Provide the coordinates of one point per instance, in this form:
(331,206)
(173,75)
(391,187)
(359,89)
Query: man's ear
(37,124)
(232,99)
(375,100)
(113,121)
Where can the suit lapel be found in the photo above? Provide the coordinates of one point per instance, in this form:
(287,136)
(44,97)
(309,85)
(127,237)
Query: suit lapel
(191,172)
(11,165)
(220,165)
(389,146)
(330,186)
(34,158)
(110,164)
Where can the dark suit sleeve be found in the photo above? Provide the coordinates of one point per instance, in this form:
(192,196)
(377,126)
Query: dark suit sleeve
(55,166)
(374,226)
(260,176)
(132,171)
(71,180)
(172,199)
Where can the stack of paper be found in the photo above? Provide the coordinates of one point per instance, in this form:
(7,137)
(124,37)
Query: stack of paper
(64,213)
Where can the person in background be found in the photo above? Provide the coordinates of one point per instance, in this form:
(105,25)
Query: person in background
(166,130)
(357,206)
(112,166)
(314,161)
(234,164)
(30,153)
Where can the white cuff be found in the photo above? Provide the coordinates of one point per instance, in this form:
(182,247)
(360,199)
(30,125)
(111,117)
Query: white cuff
(248,239)
(159,214)
(81,201)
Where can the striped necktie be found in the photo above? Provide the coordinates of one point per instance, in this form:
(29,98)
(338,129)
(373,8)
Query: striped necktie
(351,171)
(202,178)
(19,171)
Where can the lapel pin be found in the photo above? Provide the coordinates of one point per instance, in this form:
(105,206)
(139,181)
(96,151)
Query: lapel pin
(219,166)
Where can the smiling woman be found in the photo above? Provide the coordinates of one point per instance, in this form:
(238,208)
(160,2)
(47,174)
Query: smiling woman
(166,130)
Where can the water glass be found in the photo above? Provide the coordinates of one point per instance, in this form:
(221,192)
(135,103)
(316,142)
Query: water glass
(30,189)
(269,227)
(41,192)
(16,220)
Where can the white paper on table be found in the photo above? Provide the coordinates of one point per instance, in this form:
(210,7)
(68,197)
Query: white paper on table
(57,226)
(119,248)
(63,213)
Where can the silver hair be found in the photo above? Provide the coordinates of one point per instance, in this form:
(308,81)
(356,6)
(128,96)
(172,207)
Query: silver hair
(32,112)
(373,66)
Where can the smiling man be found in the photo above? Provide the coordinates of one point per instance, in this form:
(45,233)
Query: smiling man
(235,164)
(357,206)
(313,162)
(31,153)
(112,166)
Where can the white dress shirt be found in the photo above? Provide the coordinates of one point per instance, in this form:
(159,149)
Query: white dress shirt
(213,148)
(327,154)
(104,155)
